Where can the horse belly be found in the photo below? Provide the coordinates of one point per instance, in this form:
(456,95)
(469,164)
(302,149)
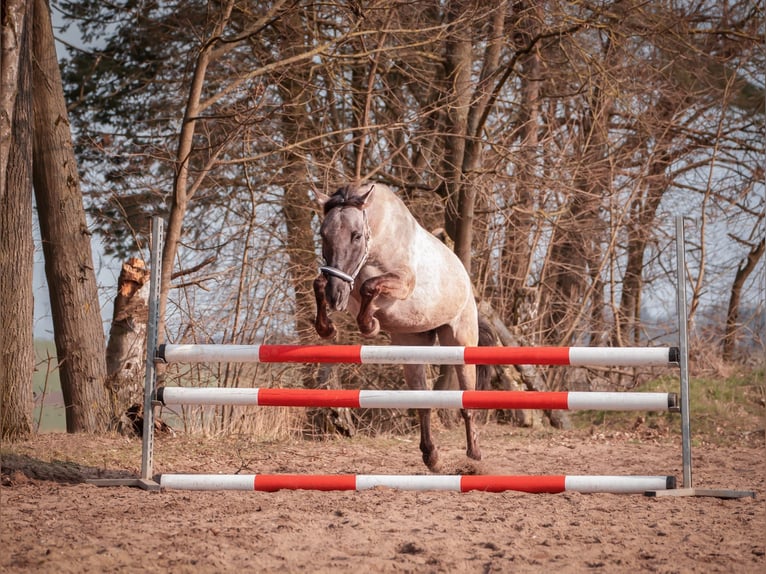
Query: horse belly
(403,317)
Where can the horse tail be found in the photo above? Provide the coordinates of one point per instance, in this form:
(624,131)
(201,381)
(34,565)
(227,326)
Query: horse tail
(487,338)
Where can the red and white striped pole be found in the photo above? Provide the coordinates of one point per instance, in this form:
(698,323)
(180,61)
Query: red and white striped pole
(488,483)
(411,399)
(402,355)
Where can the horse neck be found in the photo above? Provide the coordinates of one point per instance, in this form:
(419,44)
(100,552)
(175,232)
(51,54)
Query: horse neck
(394,231)
(390,220)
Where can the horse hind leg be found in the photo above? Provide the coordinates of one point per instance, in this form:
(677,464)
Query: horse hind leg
(466,375)
(415,375)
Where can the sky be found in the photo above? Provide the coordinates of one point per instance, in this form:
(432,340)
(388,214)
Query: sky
(108,268)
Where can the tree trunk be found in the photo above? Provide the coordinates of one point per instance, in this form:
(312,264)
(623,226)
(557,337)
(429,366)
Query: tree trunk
(16,246)
(744,270)
(297,209)
(578,235)
(517,247)
(459,195)
(641,227)
(125,351)
(183,190)
(75,308)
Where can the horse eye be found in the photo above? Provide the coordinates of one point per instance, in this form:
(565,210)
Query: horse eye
(356,236)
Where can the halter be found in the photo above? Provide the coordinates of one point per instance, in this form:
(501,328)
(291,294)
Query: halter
(350,278)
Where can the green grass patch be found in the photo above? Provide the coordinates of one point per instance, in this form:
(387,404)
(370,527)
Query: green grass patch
(49,415)
(720,408)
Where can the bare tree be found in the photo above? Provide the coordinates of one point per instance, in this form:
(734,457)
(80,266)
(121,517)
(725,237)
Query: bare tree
(65,236)
(16,249)
(744,270)
(552,141)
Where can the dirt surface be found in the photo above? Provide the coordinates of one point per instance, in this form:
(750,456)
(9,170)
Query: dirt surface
(53,521)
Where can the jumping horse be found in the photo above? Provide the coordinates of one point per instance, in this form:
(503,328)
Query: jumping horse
(395,276)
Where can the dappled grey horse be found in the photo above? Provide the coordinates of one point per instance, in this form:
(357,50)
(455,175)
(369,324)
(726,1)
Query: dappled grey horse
(393,275)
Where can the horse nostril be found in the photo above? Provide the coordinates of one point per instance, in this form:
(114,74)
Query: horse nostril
(337,295)
(339,302)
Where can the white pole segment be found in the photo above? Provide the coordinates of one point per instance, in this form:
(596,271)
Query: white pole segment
(604,401)
(209,396)
(615,484)
(208,481)
(212,353)
(410,399)
(412,482)
(612,356)
(407,355)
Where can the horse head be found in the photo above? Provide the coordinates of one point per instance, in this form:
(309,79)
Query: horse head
(345,233)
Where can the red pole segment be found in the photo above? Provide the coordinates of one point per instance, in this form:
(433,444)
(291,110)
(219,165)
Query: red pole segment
(517,355)
(274,482)
(535,484)
(308,398)
(310,354)
(515,400)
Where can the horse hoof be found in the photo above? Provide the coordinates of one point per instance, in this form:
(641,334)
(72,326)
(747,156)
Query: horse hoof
(371,329)
(328,333)
(432,461)
(474,453)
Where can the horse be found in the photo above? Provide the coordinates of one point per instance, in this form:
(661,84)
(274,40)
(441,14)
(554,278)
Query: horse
(395,276)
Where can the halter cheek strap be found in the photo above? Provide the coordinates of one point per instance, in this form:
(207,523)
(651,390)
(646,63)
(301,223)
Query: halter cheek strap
(350,278)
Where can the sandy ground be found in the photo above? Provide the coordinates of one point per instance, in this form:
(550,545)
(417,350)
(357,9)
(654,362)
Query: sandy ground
(53,521)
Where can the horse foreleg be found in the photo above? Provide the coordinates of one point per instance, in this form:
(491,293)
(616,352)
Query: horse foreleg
(323,324)
(395,285)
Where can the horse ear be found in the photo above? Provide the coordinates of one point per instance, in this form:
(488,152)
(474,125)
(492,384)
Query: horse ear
(366,199)
(321,198)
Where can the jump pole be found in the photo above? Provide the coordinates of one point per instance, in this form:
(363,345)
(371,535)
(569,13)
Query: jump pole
(551,484)
(414,399)
(412,355)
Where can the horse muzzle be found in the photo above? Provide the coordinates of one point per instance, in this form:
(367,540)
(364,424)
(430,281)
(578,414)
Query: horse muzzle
(339,287)
(338,293)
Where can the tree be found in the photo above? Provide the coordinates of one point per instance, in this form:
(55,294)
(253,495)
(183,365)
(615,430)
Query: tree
(75,308)
(16,248)
(126,348)
(553,141)
(744,270)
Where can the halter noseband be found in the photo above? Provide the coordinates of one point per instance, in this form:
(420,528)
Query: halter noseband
(350,278)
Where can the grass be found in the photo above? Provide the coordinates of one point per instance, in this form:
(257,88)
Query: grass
(49,405)
(721,408)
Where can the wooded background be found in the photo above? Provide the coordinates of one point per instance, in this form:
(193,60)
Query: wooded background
(551,143)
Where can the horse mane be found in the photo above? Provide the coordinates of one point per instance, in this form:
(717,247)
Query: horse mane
(345,197)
